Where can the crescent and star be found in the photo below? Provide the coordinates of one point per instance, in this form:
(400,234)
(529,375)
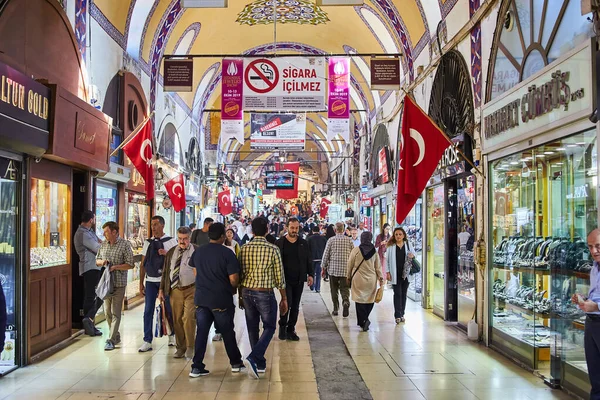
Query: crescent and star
(145,144)
(178,185)
(416,135)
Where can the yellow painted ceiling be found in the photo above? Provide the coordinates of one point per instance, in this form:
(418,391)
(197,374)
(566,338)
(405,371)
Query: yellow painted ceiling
(116,12)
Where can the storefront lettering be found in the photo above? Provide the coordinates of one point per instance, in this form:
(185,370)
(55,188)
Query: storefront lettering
(11,171)
(450,157)
(580,192)
(538,101)
(15,94)
(82,136)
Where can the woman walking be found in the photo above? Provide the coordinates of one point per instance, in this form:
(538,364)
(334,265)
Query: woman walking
(231,243)
(397,254)
(381,242)
(364,271)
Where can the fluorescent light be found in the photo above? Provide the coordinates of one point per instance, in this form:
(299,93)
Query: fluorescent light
(560,149)
(548,152)
(558,163)
(572,145)
(580,143)
(540,156)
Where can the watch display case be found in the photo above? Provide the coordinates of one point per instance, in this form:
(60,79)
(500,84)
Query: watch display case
(543,205)
(436,249)
(137,229)
(49,231)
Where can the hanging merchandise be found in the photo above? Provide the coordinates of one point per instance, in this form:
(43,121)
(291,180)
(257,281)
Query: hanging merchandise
(176,191)
(338,109)
(225,207)
(139,150)
(232,113)
(286,83)
(278,131)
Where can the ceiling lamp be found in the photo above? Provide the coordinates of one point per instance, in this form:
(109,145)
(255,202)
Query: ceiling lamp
(339,2)
(204,3)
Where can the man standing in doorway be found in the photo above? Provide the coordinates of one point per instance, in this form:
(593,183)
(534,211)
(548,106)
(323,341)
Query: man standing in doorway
(87,244)
(335,262)
(177,285)
(317,243)
(200,236)
(297,267)
(151,268)
(261,271)
(116,254)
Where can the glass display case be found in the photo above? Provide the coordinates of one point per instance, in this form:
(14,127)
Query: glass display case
(50,215)
(413,224)
(136,231)
(543,205)
(436,249)
(107,204)
(466,242)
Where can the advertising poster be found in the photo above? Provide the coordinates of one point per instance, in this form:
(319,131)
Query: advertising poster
(338,108)
(232,111)
(383,170)
(283,84)
(278,131)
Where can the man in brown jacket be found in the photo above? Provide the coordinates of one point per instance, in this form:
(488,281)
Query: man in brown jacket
(178,283)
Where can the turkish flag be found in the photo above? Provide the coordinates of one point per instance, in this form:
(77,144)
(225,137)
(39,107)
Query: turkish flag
(225,207)
(139,151)
(423,144)
(289,193)
(176,191)
(324,207)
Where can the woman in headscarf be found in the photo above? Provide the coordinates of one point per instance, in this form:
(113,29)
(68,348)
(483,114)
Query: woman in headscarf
(364,271)
(396,256)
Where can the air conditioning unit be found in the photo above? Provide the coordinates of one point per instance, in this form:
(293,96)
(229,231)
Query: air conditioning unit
(340,2)
(204,3)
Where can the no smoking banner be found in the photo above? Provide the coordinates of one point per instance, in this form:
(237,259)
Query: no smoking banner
(284,84)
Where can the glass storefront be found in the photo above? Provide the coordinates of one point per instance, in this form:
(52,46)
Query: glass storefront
(107,204)
(435,250)
(543,205)
(413,225)
(136,231)
(9,250)
(466,242)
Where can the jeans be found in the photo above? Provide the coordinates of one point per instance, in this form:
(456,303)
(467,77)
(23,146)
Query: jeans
(400,292)
(363,310)
(316,286)
(339,283)
(260,306)
(152,289)
(592,354)
(91,303)
(222,318)
(294,295)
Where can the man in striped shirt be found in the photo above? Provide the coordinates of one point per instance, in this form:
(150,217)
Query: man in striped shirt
(261,272)
(335,262)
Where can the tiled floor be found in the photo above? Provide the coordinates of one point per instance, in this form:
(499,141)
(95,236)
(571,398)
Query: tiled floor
(421,359)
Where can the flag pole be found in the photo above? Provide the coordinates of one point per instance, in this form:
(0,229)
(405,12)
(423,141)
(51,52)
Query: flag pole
(132,134)
(459,151)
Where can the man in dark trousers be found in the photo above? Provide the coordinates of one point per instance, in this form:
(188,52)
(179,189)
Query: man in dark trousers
(217,275)
(317,243)
(297,268)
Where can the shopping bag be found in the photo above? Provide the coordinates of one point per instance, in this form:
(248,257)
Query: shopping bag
(105,288)
(379,294)
(167,321)
(158,319)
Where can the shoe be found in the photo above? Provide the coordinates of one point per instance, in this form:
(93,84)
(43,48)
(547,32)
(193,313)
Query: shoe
(97,332)
(88,326)
(261,370)
(179,354)
(398,320)
(282,333)
(366,325)
(109,345)
(292,336)
(189,353)
(196,372)
(118,341)
(317,291)
(334,313)
(238,368)
(346,311)
(172,341)
(217,338)
(402,319)
(145,347)
(252,369)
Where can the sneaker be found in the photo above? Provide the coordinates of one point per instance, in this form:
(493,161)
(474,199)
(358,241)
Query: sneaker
(97,332)
(145,347)
(172,341)
(292,336)
(217,338)
(346,311)
(261,370)
(252,369)
(366,325)
(88,326)
(196,372)
(282,333)
(109,345)
(334,313)
(189,353)
(398,320)
(238,368)
(179,354)
(402,319)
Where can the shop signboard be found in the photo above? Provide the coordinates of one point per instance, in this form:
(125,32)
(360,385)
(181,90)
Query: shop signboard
(285,83)
(278,131)
(554,97)
(178,75)
(383,166)
(338,108)
(232,112)
(385,73)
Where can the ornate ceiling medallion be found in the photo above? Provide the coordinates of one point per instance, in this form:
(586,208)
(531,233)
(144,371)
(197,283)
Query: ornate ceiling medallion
(288,11)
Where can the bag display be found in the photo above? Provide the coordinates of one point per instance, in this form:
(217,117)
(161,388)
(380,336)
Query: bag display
(106,287)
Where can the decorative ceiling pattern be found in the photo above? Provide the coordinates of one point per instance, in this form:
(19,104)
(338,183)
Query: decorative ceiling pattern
(282,11)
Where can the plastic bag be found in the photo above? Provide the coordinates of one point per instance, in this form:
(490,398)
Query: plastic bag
(106,287)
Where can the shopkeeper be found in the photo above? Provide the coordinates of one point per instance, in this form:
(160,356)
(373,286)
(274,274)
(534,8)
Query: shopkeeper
(592,322)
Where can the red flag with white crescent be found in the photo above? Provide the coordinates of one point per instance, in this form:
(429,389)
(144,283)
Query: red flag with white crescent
(324,207)
(176,191)
(225,207)
(139,150)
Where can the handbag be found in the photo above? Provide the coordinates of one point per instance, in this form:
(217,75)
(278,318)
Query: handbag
(415,267)
(106,286)
(379,294)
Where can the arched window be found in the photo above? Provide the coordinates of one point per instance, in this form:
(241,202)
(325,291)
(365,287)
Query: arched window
(170,146)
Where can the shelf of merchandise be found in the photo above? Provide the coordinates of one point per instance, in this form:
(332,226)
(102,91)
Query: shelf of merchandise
(522,310)
(538,271)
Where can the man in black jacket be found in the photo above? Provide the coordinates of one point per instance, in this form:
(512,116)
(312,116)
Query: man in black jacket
(298,268)
(317,244)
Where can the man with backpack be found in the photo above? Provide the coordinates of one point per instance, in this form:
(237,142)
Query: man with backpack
(151,267)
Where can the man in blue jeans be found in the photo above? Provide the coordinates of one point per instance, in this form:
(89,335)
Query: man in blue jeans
(153,260)
(261,272)
(217,276)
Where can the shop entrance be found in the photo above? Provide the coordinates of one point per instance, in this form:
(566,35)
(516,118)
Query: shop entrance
(434,297)
(79,204)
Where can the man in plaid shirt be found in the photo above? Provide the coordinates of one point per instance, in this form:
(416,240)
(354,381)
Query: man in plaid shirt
(335,262)
(115,253)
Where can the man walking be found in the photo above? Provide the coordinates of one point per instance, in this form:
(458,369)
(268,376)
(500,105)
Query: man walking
(87,244)
(116,254)
(261,271)
(297,267)
(177,285)
(335,262)
(151,269)
(217,276)
(200,236)
(317,243)
(355,238)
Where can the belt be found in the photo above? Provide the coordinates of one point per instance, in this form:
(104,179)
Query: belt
(185,287)
(259,289)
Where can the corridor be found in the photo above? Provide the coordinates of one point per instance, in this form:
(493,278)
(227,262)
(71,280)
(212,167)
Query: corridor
(422,359)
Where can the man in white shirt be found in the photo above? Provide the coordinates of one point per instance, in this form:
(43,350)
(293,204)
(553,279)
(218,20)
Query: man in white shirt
(355,238)
(151,269)
(178,285)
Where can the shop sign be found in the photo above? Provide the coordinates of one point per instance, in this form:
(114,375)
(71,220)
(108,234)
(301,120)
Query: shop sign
(552,98)
(178,75)
(278,131)
(24,99)
(9,169)
(385,74)
(383,166)
(338,108)
(286,83)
